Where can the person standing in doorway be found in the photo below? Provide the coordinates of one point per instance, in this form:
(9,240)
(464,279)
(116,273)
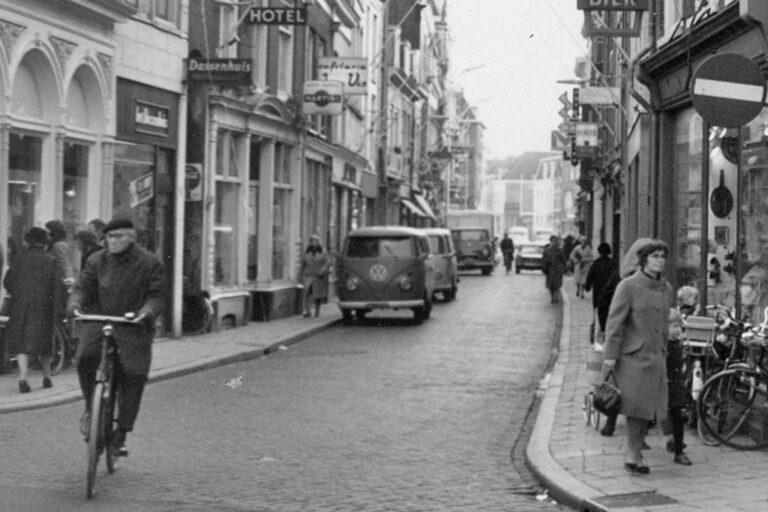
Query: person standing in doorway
(315,265)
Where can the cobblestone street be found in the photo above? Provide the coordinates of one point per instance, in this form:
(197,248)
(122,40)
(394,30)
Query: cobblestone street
(379,416)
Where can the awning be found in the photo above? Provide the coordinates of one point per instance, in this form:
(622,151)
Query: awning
(412,207)
(424,205)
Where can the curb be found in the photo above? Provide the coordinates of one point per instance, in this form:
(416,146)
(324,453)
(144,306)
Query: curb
(181,370)
(563,486)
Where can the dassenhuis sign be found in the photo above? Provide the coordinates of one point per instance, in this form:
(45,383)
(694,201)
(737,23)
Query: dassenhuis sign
(613,5)
(350,71)
(220,71)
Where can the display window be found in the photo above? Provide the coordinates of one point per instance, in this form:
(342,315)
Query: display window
(24,179)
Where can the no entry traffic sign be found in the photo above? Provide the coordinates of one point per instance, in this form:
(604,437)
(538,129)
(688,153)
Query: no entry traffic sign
(728,90)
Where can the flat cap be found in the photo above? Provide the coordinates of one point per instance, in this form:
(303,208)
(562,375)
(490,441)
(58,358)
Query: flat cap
(118,223)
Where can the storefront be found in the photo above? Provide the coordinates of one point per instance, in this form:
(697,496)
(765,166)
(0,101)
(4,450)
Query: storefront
(724,192)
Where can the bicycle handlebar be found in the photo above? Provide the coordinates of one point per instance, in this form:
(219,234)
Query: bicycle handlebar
(107,319)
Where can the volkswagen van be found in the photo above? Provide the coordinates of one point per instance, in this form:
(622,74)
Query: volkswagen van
(385,267)
(444,261)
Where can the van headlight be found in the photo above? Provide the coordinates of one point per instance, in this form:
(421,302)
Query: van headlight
(405,283)
(353,283)
(486,252)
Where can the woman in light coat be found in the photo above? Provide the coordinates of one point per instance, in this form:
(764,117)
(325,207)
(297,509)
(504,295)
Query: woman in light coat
(315,265)
(581,257)
(636,347)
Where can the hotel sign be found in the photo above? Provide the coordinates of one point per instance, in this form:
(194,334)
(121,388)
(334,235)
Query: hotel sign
(277,16)
(220,71)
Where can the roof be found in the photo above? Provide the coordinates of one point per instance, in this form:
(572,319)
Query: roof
(526,165)
(436,231)
(387,231)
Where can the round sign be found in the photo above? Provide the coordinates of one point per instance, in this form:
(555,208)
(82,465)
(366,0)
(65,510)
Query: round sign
(728,90)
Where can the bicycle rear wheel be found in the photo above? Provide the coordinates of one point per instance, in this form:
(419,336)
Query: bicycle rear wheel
(95,437)
(732,409)
(60,341)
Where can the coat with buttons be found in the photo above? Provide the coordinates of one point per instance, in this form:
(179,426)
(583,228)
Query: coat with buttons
(636,338)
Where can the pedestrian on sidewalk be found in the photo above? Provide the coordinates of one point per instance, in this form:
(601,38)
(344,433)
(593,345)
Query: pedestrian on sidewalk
(636,346)
(599,276)
(315,265)
(581,257)
(34,286)
(555,261)
(677,391)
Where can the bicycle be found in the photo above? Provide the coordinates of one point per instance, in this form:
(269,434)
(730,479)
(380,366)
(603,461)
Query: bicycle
(106,400)
(63,347)
(733,405)
(508,257)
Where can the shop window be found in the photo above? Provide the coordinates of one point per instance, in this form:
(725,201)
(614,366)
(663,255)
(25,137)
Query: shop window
(282,164)
(687,164)
(24,163)
(252,270)
(227,204)
(281,222)
(285,59)
(75,186)
(133,190)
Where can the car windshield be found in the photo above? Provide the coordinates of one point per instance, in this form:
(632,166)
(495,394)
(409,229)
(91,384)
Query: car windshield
(532,249)
(437,244)
(471,235)
(375,246)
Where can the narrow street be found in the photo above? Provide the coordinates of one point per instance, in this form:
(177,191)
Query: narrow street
(382,415)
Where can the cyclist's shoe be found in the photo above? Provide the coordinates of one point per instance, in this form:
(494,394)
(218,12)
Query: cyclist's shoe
(85,424)
(117,445)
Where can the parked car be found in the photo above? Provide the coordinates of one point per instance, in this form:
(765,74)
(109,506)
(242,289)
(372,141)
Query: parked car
(444,261)
(385,267)
(529,256)
(518,234)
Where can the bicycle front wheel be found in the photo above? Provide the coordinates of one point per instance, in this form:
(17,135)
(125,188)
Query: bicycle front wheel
(95,437)
(732,409)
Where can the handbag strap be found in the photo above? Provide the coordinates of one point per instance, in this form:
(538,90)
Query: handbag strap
(610,375)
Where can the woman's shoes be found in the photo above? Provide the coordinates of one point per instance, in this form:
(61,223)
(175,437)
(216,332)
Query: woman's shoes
(24,387)
(683,460)
(636,469)
(47,383)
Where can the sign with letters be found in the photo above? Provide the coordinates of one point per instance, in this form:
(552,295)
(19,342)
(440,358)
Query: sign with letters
(350,71)
(277,16)
(323,98)
(613,5)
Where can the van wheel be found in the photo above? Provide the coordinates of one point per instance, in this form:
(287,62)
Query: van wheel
(360,314)
(450,294)
(487,271)
(427,307)
(346,316)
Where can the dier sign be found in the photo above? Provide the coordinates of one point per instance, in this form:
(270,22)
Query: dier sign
(728,90)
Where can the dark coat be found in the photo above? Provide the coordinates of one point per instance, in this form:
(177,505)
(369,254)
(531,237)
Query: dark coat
(555,262)
(677,391)
(599,276)
(636,338)
(115,284)
(34,286)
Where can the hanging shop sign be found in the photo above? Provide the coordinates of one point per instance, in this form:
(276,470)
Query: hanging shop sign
(220,71)
(599,20)
(613,5)
(277,16)
(350,71)
(323,98)
(193,182)
(728,90)
(586,139)
(599,95)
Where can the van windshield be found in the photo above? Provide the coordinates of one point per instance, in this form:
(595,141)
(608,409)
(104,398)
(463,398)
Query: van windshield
(471,235)
(437,244)
(384,247)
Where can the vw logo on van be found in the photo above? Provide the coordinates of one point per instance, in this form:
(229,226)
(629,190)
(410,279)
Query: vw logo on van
(378,273)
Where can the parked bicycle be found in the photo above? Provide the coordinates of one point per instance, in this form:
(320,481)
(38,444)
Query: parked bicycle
(106,397)
(733,406)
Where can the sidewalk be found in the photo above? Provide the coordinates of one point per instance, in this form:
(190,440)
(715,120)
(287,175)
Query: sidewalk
(585,470)
(175,357)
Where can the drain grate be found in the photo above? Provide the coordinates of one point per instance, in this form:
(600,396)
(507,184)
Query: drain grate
(632,499)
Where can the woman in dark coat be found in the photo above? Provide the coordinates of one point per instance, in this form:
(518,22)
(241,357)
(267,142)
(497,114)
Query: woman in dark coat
(33,283)
(555,262)
(636,347)
(599,276)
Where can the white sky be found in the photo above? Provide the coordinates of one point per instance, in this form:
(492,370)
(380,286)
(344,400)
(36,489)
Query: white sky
(523,46)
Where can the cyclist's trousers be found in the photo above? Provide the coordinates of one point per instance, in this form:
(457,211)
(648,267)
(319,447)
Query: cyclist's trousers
(131,387)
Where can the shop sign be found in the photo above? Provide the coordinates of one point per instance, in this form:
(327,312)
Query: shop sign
(560,141)
(728,90)
(220,71)
(323,98)
(277,16)
(193,182)
(149,118)
(613,5)
(350,71)
(141,189)
(599,95)
(586,139)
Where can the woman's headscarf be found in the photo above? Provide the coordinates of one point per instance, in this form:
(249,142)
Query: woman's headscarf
(631,261)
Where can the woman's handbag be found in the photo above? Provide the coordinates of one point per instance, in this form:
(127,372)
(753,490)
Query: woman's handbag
(607,398)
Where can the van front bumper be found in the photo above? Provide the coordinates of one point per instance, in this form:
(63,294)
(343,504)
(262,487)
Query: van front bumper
(381,304)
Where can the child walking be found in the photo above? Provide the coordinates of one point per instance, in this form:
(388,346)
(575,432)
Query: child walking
(678,393)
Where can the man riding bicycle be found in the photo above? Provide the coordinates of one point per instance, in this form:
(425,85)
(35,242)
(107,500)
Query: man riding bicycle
(508,251)
(122,278)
